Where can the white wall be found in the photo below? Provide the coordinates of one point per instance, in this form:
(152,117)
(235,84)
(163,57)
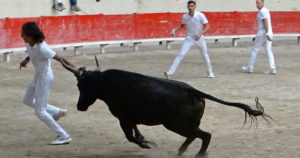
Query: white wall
(35,8)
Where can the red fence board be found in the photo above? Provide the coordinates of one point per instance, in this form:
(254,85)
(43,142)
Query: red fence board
(3,35)
(119,27)
(89,28)
(13,31)
(152,25)
(59,30)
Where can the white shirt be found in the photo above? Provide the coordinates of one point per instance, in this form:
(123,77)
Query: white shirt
(264,13)
(194,24)
(40,56)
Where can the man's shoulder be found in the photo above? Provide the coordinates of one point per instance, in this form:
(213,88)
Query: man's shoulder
(185,15)
(199,14)
(264,10)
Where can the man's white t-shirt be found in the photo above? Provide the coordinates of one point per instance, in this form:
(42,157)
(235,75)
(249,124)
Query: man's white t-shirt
(194,24)
(264,13)
(40,56)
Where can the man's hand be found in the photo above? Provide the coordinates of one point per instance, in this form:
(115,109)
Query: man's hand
(198,37)
(268,37)
(24,63)
(173,32)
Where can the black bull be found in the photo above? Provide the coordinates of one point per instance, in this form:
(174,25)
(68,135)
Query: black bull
(138,99)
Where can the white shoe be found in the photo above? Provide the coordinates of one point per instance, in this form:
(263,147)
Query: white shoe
(60,141)
(271,72)
(167,75)
(61,114)
(210,74)
(247,69)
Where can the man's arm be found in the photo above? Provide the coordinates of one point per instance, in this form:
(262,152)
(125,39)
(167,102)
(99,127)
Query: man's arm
(59,58)
(24,62)
(177,29)
(265,21)
(206,28)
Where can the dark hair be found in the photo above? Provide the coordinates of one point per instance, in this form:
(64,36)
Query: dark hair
(189,2)
(31,29)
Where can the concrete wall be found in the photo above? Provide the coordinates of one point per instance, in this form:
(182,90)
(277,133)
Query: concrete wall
(36,8)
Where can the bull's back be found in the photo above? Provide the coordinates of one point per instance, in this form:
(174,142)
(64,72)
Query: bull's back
(148,100)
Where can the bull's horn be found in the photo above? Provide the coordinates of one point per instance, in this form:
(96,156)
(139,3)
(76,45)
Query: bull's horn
(97,64)
(71,69)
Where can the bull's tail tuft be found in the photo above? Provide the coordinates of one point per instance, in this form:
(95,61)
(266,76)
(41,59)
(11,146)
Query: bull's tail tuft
(259,111)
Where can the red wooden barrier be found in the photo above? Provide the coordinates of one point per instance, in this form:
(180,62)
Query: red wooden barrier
(3,35)
(89,28)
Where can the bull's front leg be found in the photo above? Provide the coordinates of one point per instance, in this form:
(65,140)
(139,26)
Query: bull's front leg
(128,130)
(139,136)
(137,133)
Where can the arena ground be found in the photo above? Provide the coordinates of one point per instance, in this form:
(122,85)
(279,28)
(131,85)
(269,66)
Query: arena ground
(96,133)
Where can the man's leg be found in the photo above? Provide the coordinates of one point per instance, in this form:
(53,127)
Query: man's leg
(184,49)
(58,5)
(259,41)
(268,49)
(203,48)
(29,96)
(41,99)
(73,2)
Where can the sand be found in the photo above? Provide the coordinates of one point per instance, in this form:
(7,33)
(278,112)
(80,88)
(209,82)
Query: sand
(96,133)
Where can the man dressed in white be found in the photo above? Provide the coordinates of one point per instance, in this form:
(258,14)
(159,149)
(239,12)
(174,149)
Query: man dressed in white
(195,36)
(264,38)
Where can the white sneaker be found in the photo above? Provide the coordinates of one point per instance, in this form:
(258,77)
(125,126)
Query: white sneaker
(167,75)
(210,74)
(271,72)
(247,69)
(59,7)
(61,114)
(60,141)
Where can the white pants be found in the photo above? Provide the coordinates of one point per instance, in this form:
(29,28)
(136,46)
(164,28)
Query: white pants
(37,97)
(188,43)
(58,1)
(261,40)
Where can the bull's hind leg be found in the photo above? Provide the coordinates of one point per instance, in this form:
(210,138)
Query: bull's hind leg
(205,136)
(185,145)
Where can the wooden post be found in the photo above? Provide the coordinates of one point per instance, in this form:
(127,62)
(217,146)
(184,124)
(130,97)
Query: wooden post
(234,42)
(135,46)
(76,50)
(6,56)
(102,50)
(168,44)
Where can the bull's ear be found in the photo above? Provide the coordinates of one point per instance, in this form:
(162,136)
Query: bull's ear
(97,64)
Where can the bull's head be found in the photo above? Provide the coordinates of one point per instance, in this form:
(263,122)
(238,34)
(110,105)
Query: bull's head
(86,86)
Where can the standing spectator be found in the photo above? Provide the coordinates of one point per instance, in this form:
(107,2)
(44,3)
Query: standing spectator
(74,6)
(58,5)
(38,91)
(195,36)
(264,38)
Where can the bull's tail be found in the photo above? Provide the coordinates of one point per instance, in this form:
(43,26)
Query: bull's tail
(252,113)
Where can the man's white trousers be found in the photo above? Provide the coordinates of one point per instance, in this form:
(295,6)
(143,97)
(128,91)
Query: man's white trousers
(187,44)
(261,41)
(36,97)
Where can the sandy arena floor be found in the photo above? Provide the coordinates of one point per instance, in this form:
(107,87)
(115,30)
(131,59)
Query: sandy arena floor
(96,133)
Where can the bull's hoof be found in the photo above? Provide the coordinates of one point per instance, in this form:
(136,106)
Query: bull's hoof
(151,143)
(148,145)
(145,145)
(201,155)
